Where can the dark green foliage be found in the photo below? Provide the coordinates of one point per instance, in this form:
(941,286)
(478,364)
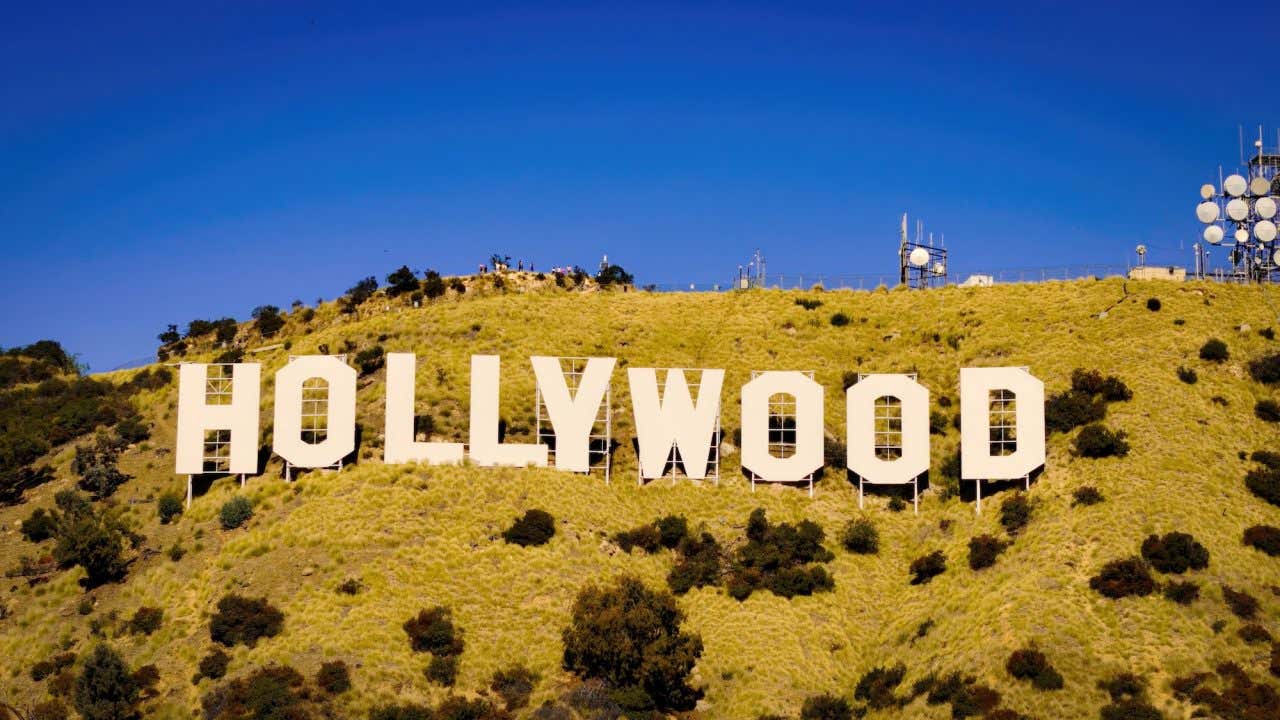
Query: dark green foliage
(94,540)
(169,506)
(52,666)
(825,707)
(267,320)
(1066,410)
(105,688)
(927,567)
(277,692)
(1266,369)
(1153,304)
(39,526)
(1123,578)
(442,669)
(967,697)
(514,685)
(1128,694)
(983,551)
(231,355)
(433,286)
(235,512)
(698,564)
(460,287)
(1086,495)
(646,537)
(1242,604)
(779,558)
(628,635)
(673,530)
(1096,441)
(860,536)
(456,707)
(1241,698)
(49,710)
(615,275)
(1130,710)
(35,363)
(809,304)
(1015,512)
(896,504)
(145,620)
(1267,333)
(877,686)
(535,527)
(133,429)
(401,281)
(357,294)
(1254,634)
(432,631)
(938,422)
(1263,537)
(1031,664)
(401,712)
(1267,411)
(1265,481)
(1187,375)
(1092,383)
(839,319)
(370,360)
(97,468)
(243,621)
(1175,553)
(213,665)
(1214,350)
(1181,592)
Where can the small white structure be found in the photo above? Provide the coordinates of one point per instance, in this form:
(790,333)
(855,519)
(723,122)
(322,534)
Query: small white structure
(979,281)
(1153,272)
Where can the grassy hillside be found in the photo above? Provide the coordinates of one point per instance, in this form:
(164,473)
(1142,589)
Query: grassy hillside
(418,536)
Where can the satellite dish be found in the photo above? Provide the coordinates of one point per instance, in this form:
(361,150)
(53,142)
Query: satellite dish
(939,269)
(1259,185)
(1213,234)
(1206,191)
(1275,185)
(1237,209)
(1234,185)
(919,257)
(1265,230)
(1242,235)
(1207,212)
(1276,258)
(1265,207)
(1141,249)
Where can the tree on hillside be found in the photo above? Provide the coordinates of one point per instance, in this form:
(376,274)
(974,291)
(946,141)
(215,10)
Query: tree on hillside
(169,336)
(401,281)
(359,293)
(97,468)
(106,689)
(267,319)
(91,539)
(433,285)
(615,275)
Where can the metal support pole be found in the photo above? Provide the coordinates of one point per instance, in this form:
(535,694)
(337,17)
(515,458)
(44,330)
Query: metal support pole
(189,491)
(978,484)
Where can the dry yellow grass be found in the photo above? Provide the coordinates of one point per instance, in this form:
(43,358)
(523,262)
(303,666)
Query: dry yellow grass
(419,536)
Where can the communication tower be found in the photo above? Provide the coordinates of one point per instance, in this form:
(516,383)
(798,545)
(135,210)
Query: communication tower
(751,275)
(1239,214)
(920,265)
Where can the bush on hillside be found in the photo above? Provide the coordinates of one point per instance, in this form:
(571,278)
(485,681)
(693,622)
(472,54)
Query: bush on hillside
(96,464)
(243,621)
(267,320)
(666,532)
(698,564)
(235,512)
(442,670)
(1264,481)
(408,711)
(39,526)
(878,684)
(333,677)
(927,567)
(1086,495)
(1263,537)
(432,631)
(213,665)
(1266,369)
(983,551)
(92,539)
(105,688)
(826,707)
(1153,304)
(860,536)
(1071,409)
(1015,513)
(1242,604)
(1031,664)
(1096,441)
(1267,411)
(630,636)
(535,527)
(401,281)
(145,620)
(1214,350)
(1123,578)
(1254,634)
(839,319)
(276,691)
(1181,592)
(1187,375)
(614,275)
(514,685)
(780,558)
(809,304)
(1175,552)
(1091,382)
(370,360)
(169,506)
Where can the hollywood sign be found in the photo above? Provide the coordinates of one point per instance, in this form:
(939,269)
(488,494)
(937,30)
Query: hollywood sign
(666,420)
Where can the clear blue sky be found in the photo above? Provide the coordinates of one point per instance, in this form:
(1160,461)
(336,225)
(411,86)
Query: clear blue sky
(160,163)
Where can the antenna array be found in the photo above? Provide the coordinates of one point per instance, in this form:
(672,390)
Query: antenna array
(1239,214)
(920,265)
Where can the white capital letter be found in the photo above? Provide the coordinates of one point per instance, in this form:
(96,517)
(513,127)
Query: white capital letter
(674,420)
(400,445)
(977,438)
(340,424)
(573,417)
(195,416)
(486,451)
(860,401)
(755,426)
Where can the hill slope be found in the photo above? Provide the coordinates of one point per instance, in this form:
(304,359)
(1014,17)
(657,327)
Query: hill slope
(421,536)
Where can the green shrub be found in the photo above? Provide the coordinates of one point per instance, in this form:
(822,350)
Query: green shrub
(39,526)
(1091,382)
(92,539)
(1264,482)
(1086,495)
(169,506)
(1214,350)
(1096,441)
(1263,537)
(333,677)
(213,665)
(1153,304)
(778,557)
(628,635)
(443,670)
(698,564)
(1187,375)
(432,631)
(927,567)
(401,712)
(1015,512)
(1267,411)
(673,529)
(514,685)
(860,536)
(243,621)
(535,527)
(1254,634)
(105,688)
(1123,578)
(145,620)
(1242,604)
(983,551)
(267,320)
(276,691)
(1175,552)
(401,281)
(1181,592)
(456,707)
(1068,410)
(839,320)
(1266,369)
(1031,664)
(878,684)
(49,710)
(809,304)
(370,360)
(235,512)
(825,707)
(647,537)
(52,666)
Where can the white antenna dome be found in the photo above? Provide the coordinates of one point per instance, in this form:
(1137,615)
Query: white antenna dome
(1242,235)
(1265,230)
(939,269)
(1213,234)
(1265,207)
(1259,185)
(1237,209)
(1206,191)
(1235,185)
(1207,212)
(919,257)
(1276,258)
